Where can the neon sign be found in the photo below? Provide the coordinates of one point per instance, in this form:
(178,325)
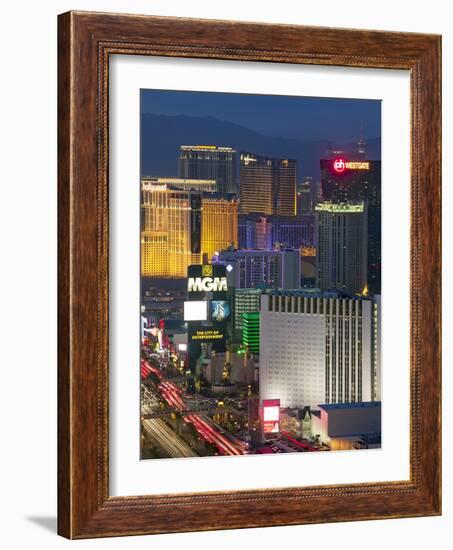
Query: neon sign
(207,284)
(340,165)
(271,415)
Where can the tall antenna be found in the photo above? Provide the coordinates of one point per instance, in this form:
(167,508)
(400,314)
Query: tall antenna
(361,144)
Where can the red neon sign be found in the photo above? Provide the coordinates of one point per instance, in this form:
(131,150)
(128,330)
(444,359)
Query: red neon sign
(339,165)
(271,415)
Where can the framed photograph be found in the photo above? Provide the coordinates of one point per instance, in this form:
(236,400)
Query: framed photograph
(249,275)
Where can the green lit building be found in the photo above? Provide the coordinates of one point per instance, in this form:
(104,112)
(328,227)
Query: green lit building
(246,300)
(251,331)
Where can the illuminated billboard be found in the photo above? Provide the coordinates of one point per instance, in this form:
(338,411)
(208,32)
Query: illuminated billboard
(207,284)
(205,278)
(206,334)
(197,310)
(271,416)
(220,310)
(340,165)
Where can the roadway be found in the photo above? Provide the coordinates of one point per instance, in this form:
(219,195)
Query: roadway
(157,430)
(203,425)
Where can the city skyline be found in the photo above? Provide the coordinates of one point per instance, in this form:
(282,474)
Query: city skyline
(260,289)
(189,118)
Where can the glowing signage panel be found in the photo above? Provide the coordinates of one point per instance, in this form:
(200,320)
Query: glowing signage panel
(220,310)
(207,284)
(207,335)
(340,165)
(196,310)
(271,415)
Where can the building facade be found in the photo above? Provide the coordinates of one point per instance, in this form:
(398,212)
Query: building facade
(279,268)
(267,185)
(219,223)
(308,194)
(180,226)
(251,331)
(210,162)
(170,230)
(264,232)
(293,231)
(246,300)
(341,255)
(351,181)
(317,349)
(342,426)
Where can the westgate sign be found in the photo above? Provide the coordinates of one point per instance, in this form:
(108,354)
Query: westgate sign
(340,165)
(207,284)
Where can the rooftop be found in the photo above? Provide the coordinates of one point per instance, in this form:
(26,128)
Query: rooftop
(340,208)
(207,148)
(361,405)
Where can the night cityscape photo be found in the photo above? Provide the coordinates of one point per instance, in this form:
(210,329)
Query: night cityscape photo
(260,268)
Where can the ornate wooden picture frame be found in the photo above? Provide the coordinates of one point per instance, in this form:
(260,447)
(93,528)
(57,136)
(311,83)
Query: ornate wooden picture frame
(86,41)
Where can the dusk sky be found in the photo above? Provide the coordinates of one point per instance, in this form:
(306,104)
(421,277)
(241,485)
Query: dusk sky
(303,118)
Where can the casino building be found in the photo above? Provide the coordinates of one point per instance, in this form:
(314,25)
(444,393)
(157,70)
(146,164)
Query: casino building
(341,253)
(352,181)
(268,185)
(170,230)
(181,223)
(219,223)
(319,348)
(209,162)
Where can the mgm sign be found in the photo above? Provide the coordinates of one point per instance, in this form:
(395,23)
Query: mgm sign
(207,288)
(206,278)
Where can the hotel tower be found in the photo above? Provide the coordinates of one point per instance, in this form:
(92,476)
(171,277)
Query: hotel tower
(268,185)
(180,225)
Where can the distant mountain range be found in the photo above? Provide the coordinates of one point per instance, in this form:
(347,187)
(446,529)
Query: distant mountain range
(162,135)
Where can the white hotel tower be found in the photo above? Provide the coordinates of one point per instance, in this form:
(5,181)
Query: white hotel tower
(318,349)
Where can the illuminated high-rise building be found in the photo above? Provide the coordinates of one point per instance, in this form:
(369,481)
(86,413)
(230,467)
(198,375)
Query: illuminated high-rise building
(277,268)
(308,194)
(246,300)
(255,231)
(246,231)
(170,230)
(267,185)
(209,162)
(341,251)
(251,331)
(347,180)
(317,348)
(219,223)
(293,231)
(180,225)
(264,232)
